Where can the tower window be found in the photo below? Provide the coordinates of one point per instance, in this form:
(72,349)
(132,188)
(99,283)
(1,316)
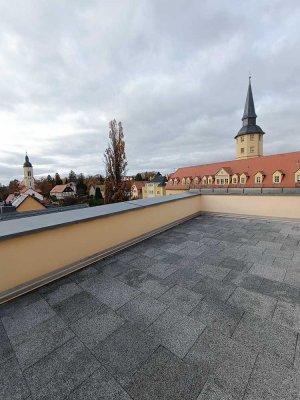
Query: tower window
(251,137)
(252,149)
(242,150)
(242,138)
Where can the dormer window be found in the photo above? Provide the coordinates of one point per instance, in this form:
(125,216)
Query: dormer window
(277,176)
(196,180)
(188,181)
(183,181)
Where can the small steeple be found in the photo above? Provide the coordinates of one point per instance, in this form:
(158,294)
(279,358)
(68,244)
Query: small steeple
(249,116)
(27,163)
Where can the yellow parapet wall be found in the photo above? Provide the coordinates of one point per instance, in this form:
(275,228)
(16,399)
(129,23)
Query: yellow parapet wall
(37,257)
(259,205)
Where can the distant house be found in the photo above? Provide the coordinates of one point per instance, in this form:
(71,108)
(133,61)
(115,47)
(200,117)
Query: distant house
(72,185)
(62,191)
(26,202)
(137,189)
(156,187)
(32,192)
(92,190)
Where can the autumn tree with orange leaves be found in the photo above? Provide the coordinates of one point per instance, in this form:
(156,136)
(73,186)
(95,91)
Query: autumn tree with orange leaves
(115,165)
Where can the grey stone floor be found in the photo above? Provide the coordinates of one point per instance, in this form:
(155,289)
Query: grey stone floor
(209,310)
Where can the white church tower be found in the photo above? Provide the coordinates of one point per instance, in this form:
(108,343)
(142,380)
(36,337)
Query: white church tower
(28,173)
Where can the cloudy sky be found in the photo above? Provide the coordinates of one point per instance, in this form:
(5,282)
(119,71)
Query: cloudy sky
(174,72)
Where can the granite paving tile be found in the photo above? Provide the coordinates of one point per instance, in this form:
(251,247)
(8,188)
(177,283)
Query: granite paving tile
(253,302)
(297,355)
(236,264)
(175,331)
(56,375)
(288,315)
(83,274)
(229,362)
(110,291)
(97,326)
(10,307)
(166,377)
(142,310)
(114,268)
(141,262)
(263,335)
(77,306)
(268,245)
(280,290)
(124,351)
(162,269)
(244,280)
(184,300)
(214,288)
(272,380)
(100,385)
(285,254)
(184,277)
(211,271)
(6,351)
(272,272)
(59,290)
(40,340)
(212,391)
(12,383)
(292,278)
(22,319)
(144,281)
(218,315)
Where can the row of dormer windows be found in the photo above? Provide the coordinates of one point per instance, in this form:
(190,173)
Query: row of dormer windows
(235,179)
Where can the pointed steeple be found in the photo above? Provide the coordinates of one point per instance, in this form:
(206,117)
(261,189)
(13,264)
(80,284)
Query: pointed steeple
(249,111)
(27,163)
(249,116)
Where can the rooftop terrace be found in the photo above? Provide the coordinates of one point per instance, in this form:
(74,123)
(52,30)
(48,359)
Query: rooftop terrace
(208,310)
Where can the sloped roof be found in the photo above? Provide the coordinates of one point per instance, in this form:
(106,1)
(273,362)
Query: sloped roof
(61,188)
(287,162)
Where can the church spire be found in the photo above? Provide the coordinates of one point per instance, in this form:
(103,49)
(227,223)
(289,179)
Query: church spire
(249,116)
(249,139)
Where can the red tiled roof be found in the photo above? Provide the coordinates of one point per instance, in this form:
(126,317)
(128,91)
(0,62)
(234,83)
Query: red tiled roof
(288,163)
(58,189)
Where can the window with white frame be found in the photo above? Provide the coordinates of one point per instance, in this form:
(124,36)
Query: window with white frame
(183,181)
(196,180)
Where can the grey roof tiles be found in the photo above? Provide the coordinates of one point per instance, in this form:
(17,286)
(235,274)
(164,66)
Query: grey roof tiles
(204,315)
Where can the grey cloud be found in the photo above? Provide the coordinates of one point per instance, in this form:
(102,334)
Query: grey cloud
(175,73)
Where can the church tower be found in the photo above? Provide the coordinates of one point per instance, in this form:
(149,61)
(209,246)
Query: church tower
(28,173)
(249,140)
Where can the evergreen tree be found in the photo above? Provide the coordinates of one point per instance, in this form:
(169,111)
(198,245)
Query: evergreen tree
(57,179)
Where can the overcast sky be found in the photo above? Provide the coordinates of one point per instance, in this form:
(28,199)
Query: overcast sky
(175,72)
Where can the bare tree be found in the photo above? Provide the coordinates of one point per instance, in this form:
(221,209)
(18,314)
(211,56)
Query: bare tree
(115,164)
